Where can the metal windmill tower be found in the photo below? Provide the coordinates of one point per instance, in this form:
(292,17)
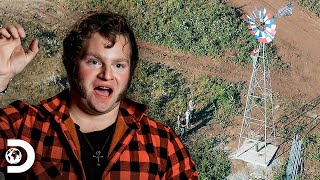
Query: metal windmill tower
(258,129)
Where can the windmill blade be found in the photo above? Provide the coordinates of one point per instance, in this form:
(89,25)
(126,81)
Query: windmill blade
(260,12)
(250,18)
(255,12)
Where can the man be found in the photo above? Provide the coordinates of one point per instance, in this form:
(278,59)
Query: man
(254,54)
(181,125)
(188,117)
(90,131)
(191,107)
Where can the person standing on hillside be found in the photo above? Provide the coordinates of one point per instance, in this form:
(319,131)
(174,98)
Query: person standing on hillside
(90,131)
(179,120)
(187,118)
(181,124)
(191,107)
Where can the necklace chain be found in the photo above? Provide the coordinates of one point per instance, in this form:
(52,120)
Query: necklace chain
(97,153)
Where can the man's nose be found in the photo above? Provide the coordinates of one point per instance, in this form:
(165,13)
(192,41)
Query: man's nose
(106,73)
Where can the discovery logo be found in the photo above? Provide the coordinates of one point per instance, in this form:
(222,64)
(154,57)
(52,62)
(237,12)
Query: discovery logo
(14,156)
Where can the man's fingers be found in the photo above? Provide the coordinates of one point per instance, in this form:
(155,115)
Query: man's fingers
(33,50)
(4,33)
(20,30)
(13,31)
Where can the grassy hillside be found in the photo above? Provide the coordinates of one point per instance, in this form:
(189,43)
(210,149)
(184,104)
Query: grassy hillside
(209,28)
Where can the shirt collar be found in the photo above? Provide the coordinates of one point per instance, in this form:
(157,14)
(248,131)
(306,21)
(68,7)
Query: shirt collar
(57,105)
(132,112)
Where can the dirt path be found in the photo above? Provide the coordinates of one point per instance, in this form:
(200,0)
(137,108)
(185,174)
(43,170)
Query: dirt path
(193,65)
(39,10)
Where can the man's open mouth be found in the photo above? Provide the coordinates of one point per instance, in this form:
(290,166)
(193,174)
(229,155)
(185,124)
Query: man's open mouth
(104,91)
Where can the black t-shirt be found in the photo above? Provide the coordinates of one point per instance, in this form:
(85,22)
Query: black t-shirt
(97,140)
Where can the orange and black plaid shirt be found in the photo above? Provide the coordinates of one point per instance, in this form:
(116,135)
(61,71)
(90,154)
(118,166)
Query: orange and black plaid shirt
(140,149)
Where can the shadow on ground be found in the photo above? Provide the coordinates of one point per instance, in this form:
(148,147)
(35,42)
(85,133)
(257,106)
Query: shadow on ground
(203,116)
(298,122)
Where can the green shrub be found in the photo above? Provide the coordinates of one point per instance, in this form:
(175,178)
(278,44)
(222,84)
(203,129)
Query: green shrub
(215,165)
(280,174)
(312,5)
(312,144)
(211,162)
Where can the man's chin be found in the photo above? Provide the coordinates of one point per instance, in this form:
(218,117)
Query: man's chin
(98,110)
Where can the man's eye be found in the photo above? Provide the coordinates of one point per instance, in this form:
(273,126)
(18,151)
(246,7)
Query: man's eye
(119,66)
(93,62)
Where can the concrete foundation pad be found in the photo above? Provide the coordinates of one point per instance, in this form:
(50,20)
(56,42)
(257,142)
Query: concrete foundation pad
(248,152)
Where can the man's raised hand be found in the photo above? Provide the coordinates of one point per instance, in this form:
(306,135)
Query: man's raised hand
(13,58)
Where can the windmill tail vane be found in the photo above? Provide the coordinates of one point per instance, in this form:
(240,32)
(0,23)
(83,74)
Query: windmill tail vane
(285,11)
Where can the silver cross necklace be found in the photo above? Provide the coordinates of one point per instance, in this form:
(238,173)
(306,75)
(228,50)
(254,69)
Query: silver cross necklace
(97,154)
